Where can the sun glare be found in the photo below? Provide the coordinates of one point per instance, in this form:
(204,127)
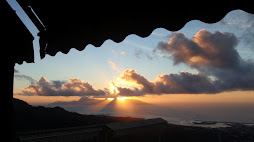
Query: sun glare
(118,98)
(113,88)
(122,98)
(111,99)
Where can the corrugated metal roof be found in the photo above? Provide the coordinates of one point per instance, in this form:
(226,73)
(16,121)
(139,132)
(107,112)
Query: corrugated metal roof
(16,40)
(135,124)
(75,24)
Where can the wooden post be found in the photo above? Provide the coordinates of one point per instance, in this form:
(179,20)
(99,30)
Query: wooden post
(7,101)
(159,138)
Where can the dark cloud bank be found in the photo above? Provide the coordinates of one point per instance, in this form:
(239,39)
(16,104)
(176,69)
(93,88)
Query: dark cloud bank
(214,55)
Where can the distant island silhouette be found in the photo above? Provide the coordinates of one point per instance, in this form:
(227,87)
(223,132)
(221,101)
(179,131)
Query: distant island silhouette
(127,107)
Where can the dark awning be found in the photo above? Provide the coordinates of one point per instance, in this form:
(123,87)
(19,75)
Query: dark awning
(16,40)
(75,24)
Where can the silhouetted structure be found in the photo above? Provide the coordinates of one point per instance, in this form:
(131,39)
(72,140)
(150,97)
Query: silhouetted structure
(74,134)
(141,130)
(76,24)
(16,47)
(68,24)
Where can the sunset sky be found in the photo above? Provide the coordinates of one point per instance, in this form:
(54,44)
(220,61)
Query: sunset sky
(201,63)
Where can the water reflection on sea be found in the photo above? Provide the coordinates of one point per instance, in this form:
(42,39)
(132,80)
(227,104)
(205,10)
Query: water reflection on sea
(149,111)
(214,125)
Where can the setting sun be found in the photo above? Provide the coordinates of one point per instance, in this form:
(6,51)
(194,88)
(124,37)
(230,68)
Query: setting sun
(118,98)
(122,98)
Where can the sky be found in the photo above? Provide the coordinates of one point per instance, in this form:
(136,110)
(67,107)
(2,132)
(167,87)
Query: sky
(199,64)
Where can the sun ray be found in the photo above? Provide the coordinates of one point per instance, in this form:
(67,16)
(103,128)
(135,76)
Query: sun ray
(113,88)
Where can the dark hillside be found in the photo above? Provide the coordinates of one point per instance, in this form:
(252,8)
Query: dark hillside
(30,118)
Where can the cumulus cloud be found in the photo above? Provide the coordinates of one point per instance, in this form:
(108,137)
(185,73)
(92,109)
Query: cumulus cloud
(57,83)
(213,55)
(203,50)
(130,75)
(73,87)
(126,92)
(184,82)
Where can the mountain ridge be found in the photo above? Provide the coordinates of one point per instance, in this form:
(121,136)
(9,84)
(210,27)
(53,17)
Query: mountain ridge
(33,118)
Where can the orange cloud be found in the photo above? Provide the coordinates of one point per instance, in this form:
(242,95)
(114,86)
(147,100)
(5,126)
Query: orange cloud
(114,67)
(74,87)
(184,82)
